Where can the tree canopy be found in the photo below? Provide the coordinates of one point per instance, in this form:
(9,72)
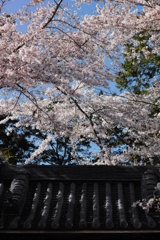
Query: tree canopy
(56,79)
(139,73)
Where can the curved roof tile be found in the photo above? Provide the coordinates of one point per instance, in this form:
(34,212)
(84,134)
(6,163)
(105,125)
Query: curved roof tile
(83,199)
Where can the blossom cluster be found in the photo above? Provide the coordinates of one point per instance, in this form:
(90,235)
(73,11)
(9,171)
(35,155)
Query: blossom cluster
(153,204)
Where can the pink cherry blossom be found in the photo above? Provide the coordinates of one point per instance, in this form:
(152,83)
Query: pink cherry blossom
(49,74)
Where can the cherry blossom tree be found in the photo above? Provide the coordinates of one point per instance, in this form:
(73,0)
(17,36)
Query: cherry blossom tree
(51,76)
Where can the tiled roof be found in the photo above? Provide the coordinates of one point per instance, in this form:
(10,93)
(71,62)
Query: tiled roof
(79,199)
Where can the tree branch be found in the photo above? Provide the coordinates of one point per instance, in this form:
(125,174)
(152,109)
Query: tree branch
(44,26)
(53,14)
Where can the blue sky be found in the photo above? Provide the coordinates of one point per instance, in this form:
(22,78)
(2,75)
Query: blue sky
(13,6)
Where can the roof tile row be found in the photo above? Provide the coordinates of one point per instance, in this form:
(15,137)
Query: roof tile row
(74,205)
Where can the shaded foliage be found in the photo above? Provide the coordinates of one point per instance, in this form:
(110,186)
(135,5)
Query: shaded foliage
(138,75)
(139,72)
(19,144)
(14,146)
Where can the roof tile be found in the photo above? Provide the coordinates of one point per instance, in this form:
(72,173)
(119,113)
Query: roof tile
(70,204)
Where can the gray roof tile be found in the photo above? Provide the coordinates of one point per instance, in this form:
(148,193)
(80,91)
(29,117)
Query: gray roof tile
(64,203)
